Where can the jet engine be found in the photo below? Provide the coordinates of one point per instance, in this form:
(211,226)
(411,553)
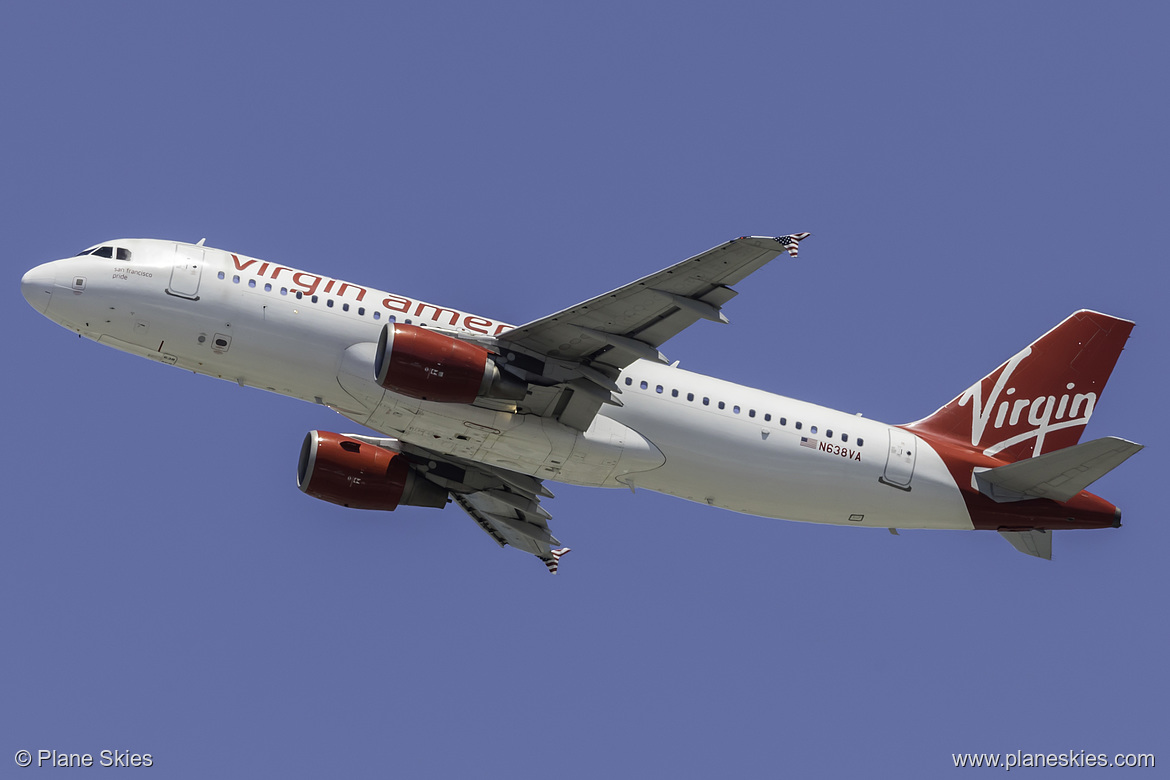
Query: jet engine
(423,364)
(359,475)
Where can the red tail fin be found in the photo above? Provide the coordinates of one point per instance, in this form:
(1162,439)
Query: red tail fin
(1040,399)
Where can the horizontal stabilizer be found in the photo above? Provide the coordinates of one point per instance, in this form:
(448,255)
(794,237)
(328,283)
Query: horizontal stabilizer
(1037,543)
(1057,475)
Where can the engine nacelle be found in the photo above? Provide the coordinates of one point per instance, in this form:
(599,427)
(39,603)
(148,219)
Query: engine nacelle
(423,364)
(358,475)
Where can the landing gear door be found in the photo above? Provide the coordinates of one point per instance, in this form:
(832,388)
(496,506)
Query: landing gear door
(900,460)
(186,272)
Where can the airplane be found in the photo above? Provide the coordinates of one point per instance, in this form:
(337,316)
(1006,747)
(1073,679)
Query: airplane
(477,412)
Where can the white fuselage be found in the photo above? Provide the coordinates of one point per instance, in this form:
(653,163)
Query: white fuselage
(677,432)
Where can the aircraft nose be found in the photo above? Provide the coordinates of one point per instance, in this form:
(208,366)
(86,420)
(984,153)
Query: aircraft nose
(37,286)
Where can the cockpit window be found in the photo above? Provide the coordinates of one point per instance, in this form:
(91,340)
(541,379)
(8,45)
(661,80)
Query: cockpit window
(105,251)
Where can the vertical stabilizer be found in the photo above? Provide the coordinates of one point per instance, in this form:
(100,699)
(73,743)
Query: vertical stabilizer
(1039,400)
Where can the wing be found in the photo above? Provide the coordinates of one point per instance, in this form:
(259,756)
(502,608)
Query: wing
(505,504)
(523,527)
(572,359)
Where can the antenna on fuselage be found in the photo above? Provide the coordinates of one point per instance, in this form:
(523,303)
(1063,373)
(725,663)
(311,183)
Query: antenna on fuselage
(201,242)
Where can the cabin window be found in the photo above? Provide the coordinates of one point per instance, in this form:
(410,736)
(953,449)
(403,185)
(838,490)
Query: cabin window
(674,393)
(813,429)
(377,315)
(643,384)
(236,279)
(768,417)
(706,401)
(221,274)
(629,381)
(690,396)
(751,412)
(658,389)
(300,295)
(284,291)
(799,425)
(251,282)
(329,302)
(267,287)
(844,437)
(860,441)
(722,405)
(735,409)
(313,299)
(361,311)
(783,420)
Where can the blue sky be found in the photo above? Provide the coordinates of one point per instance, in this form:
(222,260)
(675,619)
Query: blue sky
(971,175)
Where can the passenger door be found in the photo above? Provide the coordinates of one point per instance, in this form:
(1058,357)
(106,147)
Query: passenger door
(186,272)
(900,460)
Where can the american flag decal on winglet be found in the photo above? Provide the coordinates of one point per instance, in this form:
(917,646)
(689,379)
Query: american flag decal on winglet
(807,442)
(552,562)
(791,243)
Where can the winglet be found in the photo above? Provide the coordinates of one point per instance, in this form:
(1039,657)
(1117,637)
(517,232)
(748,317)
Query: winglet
(555,559)
(790,243)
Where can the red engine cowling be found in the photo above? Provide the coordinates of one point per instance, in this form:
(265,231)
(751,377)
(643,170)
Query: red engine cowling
(423,364)
(358,475)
